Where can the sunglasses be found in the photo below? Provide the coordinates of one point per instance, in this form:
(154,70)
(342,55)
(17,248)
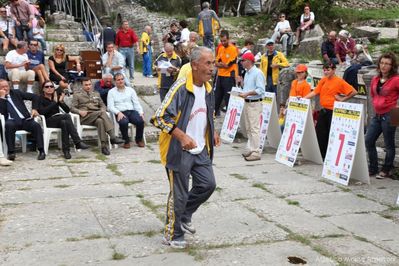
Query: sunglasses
(34,44)
(49,86)
(58,49)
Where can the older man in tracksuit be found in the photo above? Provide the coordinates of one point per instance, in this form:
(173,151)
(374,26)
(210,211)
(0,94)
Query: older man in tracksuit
(186,145)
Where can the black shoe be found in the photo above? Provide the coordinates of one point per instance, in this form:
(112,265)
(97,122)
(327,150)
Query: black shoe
(41,156)
(117,141)
(105,151)
(67,154)
(82,146)
(11,156)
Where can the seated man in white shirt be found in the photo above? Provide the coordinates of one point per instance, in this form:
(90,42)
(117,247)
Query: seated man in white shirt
(17,66)
(124,104)
(114,62)
(282,32)
(7,30)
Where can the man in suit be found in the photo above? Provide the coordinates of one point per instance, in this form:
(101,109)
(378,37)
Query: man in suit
(92,111)
(18,117)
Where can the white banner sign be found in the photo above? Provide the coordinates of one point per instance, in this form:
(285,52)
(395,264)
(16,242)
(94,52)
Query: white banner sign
(232,118)
(269,127)
(346,152)
(299,132)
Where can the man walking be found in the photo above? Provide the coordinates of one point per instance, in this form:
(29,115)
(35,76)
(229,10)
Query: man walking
(92,111)
(186,145)
(208,25)
(126,39)
(124,104)
(253,92)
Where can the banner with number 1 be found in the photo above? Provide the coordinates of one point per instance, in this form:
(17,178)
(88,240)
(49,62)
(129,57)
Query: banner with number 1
(346,152)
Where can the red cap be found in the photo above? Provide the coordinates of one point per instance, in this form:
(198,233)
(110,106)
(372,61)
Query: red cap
(301,68)
(248,56)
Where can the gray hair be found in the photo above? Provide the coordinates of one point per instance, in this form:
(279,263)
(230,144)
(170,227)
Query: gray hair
(21,44)
(205,5)
(108,75)
(197,52)
(168,45)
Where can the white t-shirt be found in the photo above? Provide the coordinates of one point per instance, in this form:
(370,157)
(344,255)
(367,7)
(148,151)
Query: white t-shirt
(185,35)
(198,120)
(15,58)
(40,31)
(3,25)
(281,25)
(311,15)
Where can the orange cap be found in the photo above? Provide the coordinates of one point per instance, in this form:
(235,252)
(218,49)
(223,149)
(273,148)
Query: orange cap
(301,68)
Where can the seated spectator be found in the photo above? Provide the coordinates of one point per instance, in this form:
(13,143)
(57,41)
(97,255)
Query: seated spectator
(38,34)
(307,23)
(173,36)
(23,16)
(328,48)
(17,66)
(344,47)
(114,62)
(58,66)
(50,103)
(36,59)
(282,33)
(124,104)
(103,86)
(168,75)
(88,105)
(17,117)
(7,30)
(361,58)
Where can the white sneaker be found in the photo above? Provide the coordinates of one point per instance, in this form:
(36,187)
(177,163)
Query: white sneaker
(5,162)
(176,244)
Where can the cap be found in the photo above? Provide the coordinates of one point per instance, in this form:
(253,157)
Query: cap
(301,68)
(270,41)
(329,65)
(248,56)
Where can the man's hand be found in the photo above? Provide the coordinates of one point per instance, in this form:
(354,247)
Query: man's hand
(187,143)
(2,93)
(216,138)
(83,113)
(339,98)
(274,66)
(119,116)
(35,113)
(243,94)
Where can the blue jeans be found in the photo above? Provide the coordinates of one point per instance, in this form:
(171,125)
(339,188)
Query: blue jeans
(128,53)
(269,86)
(20,33)
(147,63)
(131,116)
(208,41)
(380,124)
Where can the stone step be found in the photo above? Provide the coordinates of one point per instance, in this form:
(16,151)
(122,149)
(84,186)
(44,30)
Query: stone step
(63,31)
(66,24)
(72,48)
(76,37)
(57,16)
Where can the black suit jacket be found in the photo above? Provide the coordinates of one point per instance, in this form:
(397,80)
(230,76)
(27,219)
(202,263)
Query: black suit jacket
(18,98)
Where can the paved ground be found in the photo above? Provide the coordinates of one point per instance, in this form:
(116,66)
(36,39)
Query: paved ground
(109,211)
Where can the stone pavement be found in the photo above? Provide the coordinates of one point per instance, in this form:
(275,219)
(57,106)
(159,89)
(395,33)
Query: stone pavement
(102,210)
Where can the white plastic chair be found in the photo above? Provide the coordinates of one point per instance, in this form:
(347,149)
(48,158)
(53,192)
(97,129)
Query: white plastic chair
(47,132)
(23,135)
(80,128)
(131,129)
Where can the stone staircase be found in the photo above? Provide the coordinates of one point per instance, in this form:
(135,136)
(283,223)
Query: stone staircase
(64,29)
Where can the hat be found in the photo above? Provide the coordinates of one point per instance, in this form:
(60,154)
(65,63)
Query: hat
(344,33)
(269,41)
(329,65)
(248,56)
(301,68)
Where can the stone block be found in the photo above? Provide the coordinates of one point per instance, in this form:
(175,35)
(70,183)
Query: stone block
(310,46)
(366,31)
(315,32)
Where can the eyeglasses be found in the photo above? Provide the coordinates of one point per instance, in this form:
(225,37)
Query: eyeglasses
(60,50)
(34,44)
(48,86)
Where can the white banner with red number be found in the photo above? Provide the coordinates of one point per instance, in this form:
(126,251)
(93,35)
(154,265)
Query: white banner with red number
(299,132)
(269,127)
(346,152)
(232,118)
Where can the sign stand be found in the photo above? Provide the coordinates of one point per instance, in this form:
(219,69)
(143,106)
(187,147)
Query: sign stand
(232,118)
(269,127)
(299,133)
(346,152)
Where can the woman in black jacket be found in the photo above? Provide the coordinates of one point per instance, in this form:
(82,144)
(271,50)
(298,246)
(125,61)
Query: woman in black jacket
(50,103)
